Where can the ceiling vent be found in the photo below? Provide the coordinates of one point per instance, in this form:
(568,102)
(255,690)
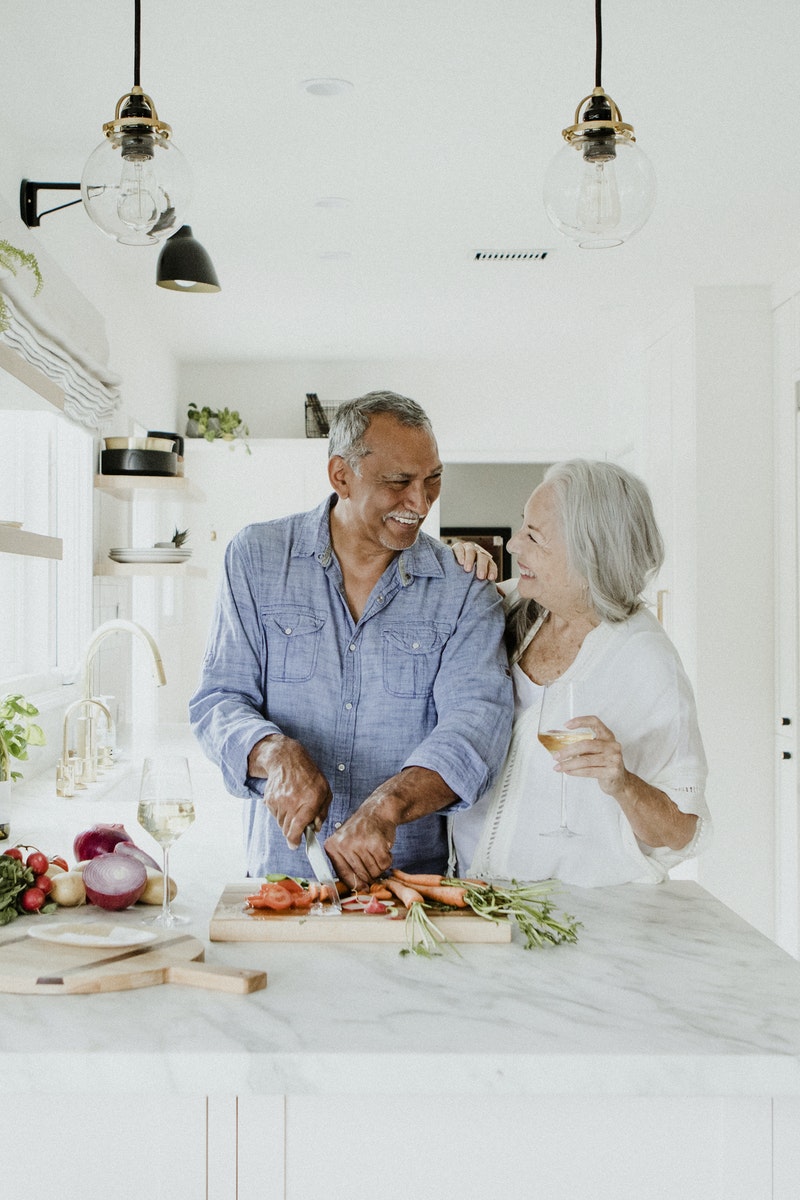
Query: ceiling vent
(508,255)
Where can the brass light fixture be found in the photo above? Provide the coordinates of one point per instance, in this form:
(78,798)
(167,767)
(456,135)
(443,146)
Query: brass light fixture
(136,185)
(600,188)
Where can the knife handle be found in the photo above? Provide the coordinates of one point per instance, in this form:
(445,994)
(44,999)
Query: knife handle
(240,980)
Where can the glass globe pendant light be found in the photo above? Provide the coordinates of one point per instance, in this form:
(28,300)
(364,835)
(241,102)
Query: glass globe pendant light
(136,186)
(600,187)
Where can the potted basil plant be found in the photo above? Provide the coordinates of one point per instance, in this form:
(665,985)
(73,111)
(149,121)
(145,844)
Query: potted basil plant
(17,732)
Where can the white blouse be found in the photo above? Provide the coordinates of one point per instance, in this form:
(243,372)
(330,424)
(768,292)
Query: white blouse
(629,675)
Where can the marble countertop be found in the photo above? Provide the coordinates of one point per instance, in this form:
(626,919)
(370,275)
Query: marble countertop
(667,992)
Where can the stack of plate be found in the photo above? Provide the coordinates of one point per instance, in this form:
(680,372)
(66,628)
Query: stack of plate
(148,554)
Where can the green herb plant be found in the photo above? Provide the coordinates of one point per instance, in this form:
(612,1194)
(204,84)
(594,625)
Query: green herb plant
(225,423)
(17,732)
(11,259)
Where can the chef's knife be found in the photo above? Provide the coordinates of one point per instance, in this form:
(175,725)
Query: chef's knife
(322,869)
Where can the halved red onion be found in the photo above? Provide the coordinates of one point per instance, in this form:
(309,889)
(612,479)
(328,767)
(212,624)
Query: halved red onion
(99,839)
(133,851)
(114,880)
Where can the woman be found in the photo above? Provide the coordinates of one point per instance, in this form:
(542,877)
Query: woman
(588,546)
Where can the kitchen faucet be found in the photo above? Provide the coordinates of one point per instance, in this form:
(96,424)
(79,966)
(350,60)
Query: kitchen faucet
(80,768)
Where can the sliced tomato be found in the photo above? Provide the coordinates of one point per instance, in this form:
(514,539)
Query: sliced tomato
(271,895)
(291,886)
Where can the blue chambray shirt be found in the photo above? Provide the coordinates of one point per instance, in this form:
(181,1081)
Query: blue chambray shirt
(421,679)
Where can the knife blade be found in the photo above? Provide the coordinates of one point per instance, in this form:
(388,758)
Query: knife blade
(322,869)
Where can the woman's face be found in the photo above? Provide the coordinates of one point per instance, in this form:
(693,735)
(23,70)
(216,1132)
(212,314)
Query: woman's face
(544,574)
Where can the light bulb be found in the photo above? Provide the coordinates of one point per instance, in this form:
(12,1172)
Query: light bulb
(137,192)
(599,209)
(136,203)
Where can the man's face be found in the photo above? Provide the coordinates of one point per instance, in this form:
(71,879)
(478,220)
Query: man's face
(398,482)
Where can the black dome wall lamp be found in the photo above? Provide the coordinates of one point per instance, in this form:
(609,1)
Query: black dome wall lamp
(600,188)
(136,185)
(184,265)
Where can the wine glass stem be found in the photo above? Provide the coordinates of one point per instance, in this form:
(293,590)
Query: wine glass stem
(165,908)
(563,802)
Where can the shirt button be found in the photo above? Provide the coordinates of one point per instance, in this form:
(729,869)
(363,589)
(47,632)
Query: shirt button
(414,645)
(351,648)
(380,598)
(340,767)
(348,706)
(288,629)
(337,824)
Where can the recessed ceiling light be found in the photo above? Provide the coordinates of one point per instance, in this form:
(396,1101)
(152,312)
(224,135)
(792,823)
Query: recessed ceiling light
(327,87)
(332,202)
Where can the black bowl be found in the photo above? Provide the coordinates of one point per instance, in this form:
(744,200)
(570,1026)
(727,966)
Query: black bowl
(138,462)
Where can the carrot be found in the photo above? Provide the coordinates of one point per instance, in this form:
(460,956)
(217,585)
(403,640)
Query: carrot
(380,891)
(405,894)
(415,880)
(445,894)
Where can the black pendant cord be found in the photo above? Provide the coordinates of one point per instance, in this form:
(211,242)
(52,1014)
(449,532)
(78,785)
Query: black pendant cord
(137,39)
(598,59)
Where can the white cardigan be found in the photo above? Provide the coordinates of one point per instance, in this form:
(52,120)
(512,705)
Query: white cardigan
(629,675)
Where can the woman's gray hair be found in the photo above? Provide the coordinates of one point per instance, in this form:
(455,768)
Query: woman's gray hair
(613,542)
(351,421)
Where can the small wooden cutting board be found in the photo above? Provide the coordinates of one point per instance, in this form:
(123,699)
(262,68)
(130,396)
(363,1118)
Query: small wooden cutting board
(233,921)
(36,967)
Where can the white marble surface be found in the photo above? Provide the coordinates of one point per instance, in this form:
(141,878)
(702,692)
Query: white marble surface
(666,993)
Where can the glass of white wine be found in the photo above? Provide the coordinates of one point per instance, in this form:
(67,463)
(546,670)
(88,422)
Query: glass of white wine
(558,707)
(166,810)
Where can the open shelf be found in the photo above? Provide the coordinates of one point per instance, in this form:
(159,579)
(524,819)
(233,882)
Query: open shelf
(37,545)
(114,568)
(123,485)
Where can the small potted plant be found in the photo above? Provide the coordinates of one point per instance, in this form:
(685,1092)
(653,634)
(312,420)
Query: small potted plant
(210,424)
(176,543)
(17,732)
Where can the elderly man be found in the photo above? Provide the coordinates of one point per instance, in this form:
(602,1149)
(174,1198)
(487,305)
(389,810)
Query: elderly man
(355,677)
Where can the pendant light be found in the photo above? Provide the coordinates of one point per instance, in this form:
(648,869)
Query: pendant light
(136,185)
(184,265)
(600,187)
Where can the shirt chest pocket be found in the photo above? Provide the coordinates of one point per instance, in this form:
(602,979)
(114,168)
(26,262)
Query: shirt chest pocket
(411,658)
(293,641)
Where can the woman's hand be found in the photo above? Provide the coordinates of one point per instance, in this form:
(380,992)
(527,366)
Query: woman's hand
(474,558)
(598,757)
(654,818)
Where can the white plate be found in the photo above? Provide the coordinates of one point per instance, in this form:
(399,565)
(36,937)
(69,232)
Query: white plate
(149,556)
(92,933)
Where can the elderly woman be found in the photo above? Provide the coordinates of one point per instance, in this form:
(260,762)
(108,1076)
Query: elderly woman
(588,546)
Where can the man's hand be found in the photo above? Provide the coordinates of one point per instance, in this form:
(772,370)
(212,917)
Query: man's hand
(296,792)
(361,850)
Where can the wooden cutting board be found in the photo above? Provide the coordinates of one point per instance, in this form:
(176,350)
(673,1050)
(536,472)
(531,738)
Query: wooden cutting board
(233,921)
(36,967)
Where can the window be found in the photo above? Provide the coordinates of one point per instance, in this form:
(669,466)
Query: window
(45,483)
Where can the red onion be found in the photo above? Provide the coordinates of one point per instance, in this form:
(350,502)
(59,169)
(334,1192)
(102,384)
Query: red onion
(114,880)
(131,851)
(100,839)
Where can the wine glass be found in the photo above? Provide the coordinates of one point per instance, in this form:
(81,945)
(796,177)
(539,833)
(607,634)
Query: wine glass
(558,707)
(166,810)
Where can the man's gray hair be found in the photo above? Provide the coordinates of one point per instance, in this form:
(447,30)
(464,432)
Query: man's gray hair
(613,542)
(351,421)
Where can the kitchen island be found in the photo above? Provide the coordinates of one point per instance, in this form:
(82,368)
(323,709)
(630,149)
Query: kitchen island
(659,1056)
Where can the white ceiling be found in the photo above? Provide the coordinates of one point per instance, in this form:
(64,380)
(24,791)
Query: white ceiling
(440,146)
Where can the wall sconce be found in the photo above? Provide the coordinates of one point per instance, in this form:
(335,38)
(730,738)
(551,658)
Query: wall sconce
(183,264)
(600,188)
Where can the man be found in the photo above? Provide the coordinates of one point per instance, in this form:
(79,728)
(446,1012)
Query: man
(355,678)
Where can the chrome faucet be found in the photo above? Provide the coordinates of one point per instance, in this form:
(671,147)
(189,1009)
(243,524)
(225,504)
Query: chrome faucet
(79,768)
